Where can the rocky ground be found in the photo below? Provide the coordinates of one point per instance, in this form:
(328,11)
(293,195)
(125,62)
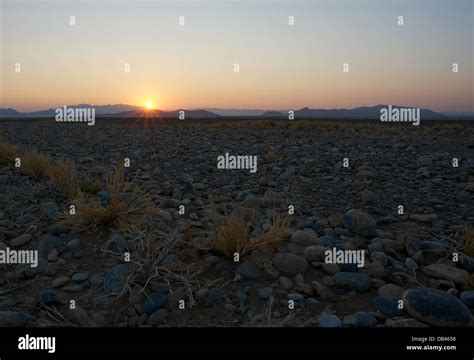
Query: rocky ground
(177,277)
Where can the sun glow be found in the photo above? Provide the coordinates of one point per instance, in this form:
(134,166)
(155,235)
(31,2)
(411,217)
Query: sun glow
(149,105)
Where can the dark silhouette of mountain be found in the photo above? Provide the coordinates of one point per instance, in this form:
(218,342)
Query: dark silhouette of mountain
(164,114)
(99,110)
(123,110)
(235,112)
(360,112)
(272,113)
(9,113)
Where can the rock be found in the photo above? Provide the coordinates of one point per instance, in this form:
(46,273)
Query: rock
(391,291)
(331,269)
(425,218)
(408,323)
(21,240)
(390,244)
(251,202)
(366,172)
(12,319)
(96,280)
(368,197)
(48,243)
(158,317)
(297,298)
(314,253)
(434,246)
(249,270)
(436,308)
(335,220)
(374,269)
(170,260)
(386,306)
(80,317)
(154,301)
(265,293)
(329,321)
(322,291)
(226,270)
(290,263)
(467,262)
(165,216)
(117,243)
(80,276)
(447,272)
(60,281)
(411,264)
(305,237)
(360,223)
(353,281)
(73,288)
(349,320)
(467,297)
(49,297)
(379,256)
(364,320)
(463,196)
(285,283)
(50,208)
(116,279)
(53,255)
(74,243)
(211,260)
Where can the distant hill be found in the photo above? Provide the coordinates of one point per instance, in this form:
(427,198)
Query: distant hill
(9,113)
(165,114)
(360,112)
(273,113)
(123,110)
(99,110)
(234,112)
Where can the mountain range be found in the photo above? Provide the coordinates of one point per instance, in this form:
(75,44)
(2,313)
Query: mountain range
(123,110)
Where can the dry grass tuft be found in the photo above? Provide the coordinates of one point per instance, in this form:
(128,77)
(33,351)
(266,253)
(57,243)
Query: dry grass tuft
(8,152)
(52,317)
(233,234)
(126,207)
(467,239)
(63,174)
(34,165)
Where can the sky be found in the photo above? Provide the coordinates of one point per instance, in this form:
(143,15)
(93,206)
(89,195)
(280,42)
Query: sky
(280,66)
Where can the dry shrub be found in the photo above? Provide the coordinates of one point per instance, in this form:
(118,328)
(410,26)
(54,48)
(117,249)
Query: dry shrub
(272,156)
(126,207)
(233,234)
(63,174)
(8,152)
(467,239)
(34,165)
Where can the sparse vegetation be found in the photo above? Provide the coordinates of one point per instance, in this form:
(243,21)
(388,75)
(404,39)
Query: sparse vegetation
(122,206)
(63,174)
(233,234)
(52,317)
(34,165)
(8,152)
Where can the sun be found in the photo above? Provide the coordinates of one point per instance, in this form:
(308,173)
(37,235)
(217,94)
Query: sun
(149,105)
